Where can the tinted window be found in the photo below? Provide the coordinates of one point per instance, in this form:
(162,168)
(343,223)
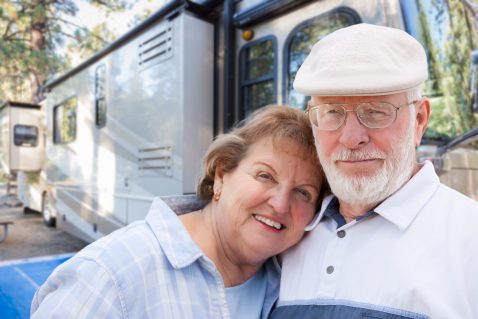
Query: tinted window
(447,29)
(25,135)
(258,74)
(100,96)
(64,122)
(302,39)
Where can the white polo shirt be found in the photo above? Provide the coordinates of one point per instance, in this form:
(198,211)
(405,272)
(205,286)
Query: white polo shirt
(417,257)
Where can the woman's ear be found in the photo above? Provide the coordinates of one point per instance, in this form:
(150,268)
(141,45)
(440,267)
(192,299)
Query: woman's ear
(218,177)
(422,117)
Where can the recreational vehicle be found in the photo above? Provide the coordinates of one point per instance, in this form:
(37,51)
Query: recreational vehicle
(22,149)
(21,142)
(133,121)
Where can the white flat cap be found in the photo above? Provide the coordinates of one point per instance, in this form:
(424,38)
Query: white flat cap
(363,59)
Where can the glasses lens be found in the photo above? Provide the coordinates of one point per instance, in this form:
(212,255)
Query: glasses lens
(376,114)
(327,117)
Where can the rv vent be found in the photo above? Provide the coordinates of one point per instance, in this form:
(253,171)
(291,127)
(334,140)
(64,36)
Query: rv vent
(156,45)
(158,159)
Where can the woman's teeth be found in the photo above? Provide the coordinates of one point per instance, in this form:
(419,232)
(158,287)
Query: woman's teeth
(269,222)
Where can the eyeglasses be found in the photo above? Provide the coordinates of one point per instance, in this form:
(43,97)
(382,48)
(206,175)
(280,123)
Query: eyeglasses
(373,114)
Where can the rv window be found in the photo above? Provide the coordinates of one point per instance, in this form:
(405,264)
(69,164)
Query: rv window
(449,34)
(64,122)
(25,135)
(100,96)
(301,40)
(258,74)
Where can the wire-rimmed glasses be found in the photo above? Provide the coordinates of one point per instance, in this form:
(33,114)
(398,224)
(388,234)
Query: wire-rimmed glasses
(373,114)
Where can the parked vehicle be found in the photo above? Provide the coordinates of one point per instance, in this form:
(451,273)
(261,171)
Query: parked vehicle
(133,121)
(21,144)
(22,149)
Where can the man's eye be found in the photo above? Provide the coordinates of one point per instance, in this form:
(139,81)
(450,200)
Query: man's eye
(333,111)
(375,111)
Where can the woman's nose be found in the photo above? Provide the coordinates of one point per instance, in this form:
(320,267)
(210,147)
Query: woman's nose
(280,201)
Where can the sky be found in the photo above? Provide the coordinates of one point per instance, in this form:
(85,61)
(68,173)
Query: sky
(89,16)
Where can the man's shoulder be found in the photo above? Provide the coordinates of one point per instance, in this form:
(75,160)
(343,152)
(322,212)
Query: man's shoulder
(455,200)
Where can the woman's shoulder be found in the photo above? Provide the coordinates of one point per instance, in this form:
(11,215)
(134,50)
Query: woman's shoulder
(126,242)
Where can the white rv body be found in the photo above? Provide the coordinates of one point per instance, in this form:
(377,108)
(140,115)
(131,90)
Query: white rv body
(134,121)
(158,125)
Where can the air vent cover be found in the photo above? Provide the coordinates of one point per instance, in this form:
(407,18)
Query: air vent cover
(156,45)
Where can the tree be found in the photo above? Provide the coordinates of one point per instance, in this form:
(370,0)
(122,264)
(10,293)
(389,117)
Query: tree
(32,31)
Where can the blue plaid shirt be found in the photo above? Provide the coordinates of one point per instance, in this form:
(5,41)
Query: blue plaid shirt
(149,269)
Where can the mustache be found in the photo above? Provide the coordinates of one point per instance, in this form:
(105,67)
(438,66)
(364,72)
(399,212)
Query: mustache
(358,155)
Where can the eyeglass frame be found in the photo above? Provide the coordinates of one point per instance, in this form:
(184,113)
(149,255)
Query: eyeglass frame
(312,107)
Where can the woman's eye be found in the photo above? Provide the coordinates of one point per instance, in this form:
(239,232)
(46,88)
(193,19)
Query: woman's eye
(304,194)
(265,176)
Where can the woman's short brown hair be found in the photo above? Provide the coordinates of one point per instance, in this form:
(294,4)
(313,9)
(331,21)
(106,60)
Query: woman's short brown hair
(281,123)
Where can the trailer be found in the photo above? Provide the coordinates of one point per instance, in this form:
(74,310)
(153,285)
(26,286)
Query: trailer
(22,150)
(133,121)
(21,141)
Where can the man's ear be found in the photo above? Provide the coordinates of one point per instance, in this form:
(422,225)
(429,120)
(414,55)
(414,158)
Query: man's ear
(422,117)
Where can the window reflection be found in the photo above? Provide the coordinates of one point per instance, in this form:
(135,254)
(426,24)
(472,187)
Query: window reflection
(64,122)
(260,60)
(447,30)
(257,75)
(25,135)
(258,95)
(100,96)
(302,40)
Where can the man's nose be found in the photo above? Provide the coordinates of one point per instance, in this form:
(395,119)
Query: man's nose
(353,134)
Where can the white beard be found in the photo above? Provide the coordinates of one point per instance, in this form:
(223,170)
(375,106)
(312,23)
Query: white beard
(372,189)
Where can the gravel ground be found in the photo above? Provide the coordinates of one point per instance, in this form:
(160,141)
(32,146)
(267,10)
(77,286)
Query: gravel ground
(28,236)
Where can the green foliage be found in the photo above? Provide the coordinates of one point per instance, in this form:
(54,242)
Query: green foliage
(464,40)
(31,33)
(449,34)
(88,42)
(67,119)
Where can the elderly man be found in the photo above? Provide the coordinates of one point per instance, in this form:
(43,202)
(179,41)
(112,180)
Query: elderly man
(392,242)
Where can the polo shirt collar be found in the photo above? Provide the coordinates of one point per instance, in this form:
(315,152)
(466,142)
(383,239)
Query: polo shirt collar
(402,207)
(178,246)
(318,217)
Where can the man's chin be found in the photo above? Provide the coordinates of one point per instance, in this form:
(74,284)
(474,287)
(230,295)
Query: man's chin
(357,188)
(354,177)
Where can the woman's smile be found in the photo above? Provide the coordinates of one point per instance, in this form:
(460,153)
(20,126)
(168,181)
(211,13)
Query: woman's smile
(269,222)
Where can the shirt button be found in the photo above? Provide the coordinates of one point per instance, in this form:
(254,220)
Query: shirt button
(330,269)
(341,233)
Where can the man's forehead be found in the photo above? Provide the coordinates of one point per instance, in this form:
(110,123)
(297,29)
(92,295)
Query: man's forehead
(397,97)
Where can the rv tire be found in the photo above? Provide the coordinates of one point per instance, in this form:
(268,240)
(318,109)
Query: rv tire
(48,217)
(28,210)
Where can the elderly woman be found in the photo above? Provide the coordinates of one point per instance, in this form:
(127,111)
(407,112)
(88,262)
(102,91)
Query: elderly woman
(262,184)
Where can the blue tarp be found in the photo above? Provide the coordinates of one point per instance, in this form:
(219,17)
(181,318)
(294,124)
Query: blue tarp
(19,279)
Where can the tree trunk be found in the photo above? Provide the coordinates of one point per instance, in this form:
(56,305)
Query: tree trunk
(37,49)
